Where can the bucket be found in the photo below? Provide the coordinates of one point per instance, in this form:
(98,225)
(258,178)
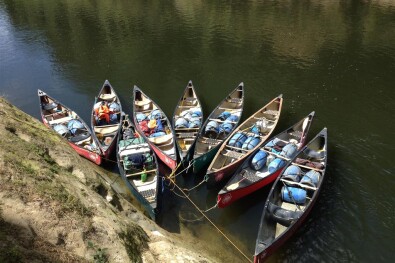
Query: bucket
(259,160)
(275,165)
(293,195)
(311,178)
(251,143)
(292,173)
(237,140)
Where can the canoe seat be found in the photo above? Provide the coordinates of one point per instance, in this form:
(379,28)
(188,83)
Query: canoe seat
(107,97)
(235,100)
(61,120)
(186,135)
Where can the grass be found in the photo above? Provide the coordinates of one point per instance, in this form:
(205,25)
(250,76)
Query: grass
(135,241)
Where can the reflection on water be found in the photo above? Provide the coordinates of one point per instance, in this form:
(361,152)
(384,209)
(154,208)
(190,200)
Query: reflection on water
(334,57)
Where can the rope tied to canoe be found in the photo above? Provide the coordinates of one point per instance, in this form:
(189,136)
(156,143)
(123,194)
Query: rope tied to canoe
(208,219)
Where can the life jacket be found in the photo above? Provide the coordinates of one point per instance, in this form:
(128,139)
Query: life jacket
(103,109)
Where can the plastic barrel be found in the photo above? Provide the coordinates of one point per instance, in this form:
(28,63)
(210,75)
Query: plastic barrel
(289,150)
(212,129)
(233,118)
(275,165)
(194,122)
(259,160)
(225,127)
(181,123)
(237,140)
(293,195)
(224,115)
(251,143)
(292,173)
(311,178)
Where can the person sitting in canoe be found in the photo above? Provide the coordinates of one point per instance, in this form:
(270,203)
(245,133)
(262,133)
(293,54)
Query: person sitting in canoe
(103,112)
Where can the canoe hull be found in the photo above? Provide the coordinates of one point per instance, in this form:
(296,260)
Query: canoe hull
(213,179)
(202,162)
(92,156)
(227,198)
(169,162)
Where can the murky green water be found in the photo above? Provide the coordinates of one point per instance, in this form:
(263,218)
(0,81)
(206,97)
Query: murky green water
(334,57)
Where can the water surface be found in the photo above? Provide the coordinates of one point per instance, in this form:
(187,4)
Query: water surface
(334,57)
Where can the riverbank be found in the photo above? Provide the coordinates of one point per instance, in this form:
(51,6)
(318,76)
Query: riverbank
(53,205)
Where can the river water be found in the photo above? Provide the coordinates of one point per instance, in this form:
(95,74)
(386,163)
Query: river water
(334,57)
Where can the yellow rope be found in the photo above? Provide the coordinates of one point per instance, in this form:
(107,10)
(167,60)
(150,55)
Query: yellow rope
(211,222)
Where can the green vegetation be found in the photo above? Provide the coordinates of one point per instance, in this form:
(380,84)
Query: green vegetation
(135,240)
(100,255)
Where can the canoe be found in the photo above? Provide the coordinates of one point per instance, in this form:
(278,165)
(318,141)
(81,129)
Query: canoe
(138,167)
(187,121)
(217,127)
(292,197)
(69,125)
(106,131)
(244,140)
(152,123)
(265,164)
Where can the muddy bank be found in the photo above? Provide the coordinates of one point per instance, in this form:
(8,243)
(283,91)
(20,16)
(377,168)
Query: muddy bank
(53,205)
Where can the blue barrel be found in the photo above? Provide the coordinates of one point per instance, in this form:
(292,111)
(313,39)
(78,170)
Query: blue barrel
(196,113)
(156,114)
(272,143)
(255,130)
(194,122)
(224,115)
(226,127)
(237,140)
(233,118)
(311,178)
(114,107)
(61,129)
(293,195)
(275,165)
(140,117)
(289,150)
(181,123)
(212,129)
(74,125)
(259,160)
(251,142)
(292,173)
